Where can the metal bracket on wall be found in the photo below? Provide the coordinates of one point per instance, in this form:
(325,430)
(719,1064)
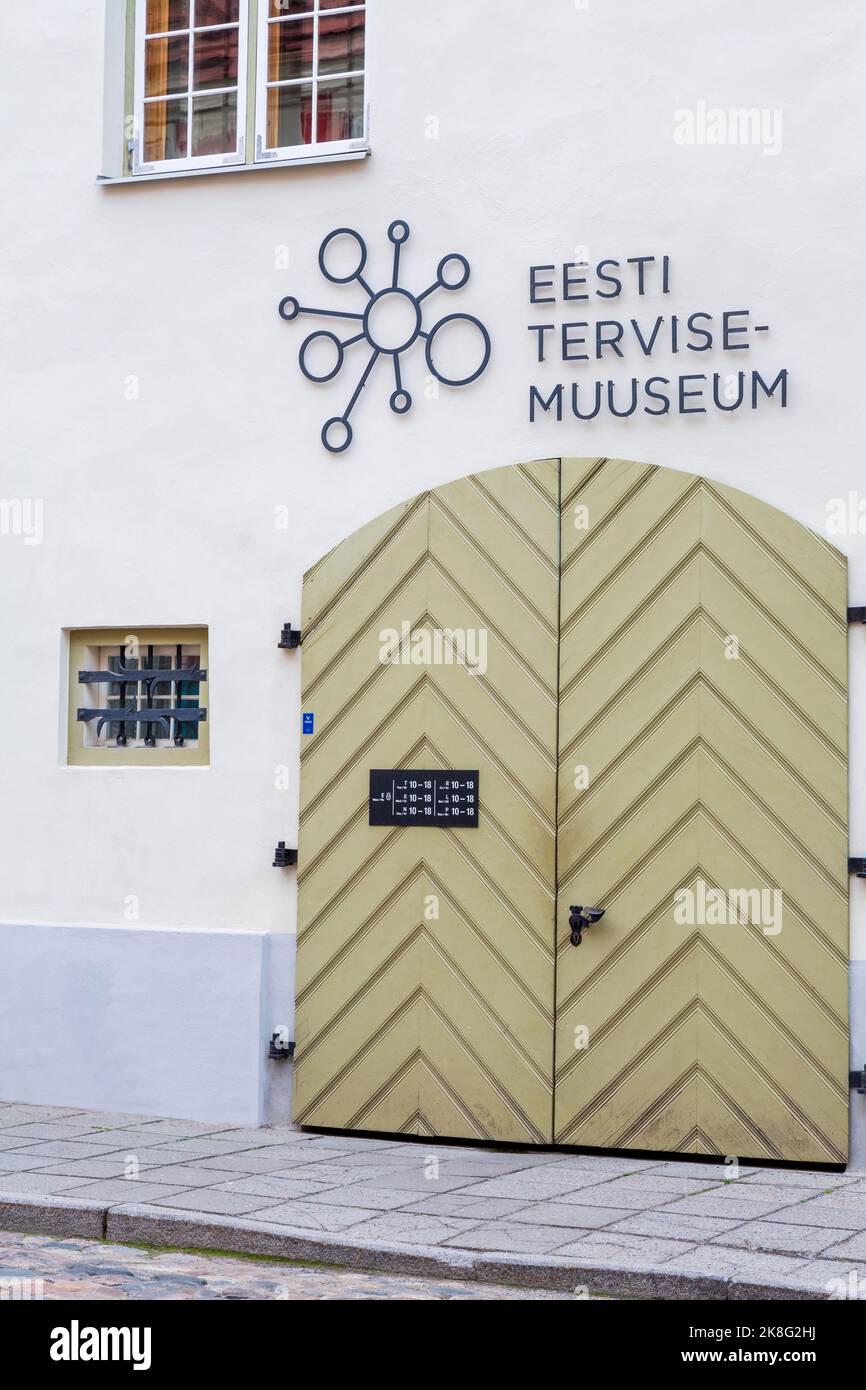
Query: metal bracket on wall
(857,1081)
(290,637)
(284,858)
(279,1049)
(858,867)
(857,615)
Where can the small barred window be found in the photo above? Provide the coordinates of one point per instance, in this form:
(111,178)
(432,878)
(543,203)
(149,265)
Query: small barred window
(138,695)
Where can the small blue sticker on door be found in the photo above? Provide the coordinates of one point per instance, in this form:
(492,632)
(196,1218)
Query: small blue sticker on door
(308,723)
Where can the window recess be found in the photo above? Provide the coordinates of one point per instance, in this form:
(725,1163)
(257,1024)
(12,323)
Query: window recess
(138,698)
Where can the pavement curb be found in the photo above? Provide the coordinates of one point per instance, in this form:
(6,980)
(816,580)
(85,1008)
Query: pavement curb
(151,1225)
(55,1216)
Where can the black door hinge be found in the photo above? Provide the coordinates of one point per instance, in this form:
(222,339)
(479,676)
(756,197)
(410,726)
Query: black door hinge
(290,638)
(280,1049)
(858,867)
(857,1081)
(857,615)
(284,858)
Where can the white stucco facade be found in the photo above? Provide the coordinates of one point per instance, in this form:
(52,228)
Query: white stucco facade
(152,402)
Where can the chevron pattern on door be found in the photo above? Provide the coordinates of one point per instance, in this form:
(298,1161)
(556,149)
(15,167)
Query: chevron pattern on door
(425,956)
(706,761)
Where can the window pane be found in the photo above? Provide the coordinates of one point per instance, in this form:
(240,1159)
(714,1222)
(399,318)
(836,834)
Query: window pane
(216,12)
(290,115)
(215,124)
(291,50)
(163,15)
(167,66)
(284,7)
(165,130)
(341,110)
(215,59)
(334,4)
(341,42)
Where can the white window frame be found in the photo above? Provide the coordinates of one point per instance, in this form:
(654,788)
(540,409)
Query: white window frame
(327,147)
(190,162)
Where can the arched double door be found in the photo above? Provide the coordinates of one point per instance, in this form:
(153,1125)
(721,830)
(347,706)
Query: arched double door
(641,675)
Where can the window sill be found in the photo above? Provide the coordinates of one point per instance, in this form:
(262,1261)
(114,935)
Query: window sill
(106,181)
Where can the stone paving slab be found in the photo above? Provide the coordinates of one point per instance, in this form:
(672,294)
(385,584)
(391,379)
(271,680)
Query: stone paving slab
(211,1200)
(624,1251)
(118,1190)
(723,1203)
(16,1162)
(40,1130)
(783,1238)
(713,1172)
(851,1248)
(566,1214)
(360,1194)
(69,1148)
(513,1237)
(453,1204)
(815,1212)
(180,1175)
(580,1213)
(670,1226)
(47,1183)
(281,1187)
(274,1159)
(621,1194)
(645,1227)
(7,1144)
(529,1185)
(25,1114)
(800,1177)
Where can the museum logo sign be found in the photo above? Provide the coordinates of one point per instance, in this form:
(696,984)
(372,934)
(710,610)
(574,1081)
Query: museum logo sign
(591,320)
(576,335)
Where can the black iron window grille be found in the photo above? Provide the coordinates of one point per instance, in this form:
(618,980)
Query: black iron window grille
(152,699)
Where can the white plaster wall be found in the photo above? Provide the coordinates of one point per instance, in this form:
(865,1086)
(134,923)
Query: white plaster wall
(555,131)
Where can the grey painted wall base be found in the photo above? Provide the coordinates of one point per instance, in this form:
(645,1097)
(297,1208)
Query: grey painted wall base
(145,1021)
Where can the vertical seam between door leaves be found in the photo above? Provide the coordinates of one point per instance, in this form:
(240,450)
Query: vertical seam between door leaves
(556,790)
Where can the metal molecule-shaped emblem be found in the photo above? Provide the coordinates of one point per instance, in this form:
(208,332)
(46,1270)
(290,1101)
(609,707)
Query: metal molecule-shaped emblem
(390,325)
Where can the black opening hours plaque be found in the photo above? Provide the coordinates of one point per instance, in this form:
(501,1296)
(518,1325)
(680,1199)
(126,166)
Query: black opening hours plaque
(423,796)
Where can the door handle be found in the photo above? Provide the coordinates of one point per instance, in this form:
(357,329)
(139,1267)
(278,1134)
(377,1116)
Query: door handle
(579,918)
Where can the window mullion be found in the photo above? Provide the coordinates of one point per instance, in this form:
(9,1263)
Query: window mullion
(314,133)
(190,79)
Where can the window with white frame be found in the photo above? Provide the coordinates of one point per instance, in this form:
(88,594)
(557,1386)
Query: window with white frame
(310,76)
(232,82)
(190,79)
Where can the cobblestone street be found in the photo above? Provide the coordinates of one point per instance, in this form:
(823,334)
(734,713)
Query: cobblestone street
(45,1267)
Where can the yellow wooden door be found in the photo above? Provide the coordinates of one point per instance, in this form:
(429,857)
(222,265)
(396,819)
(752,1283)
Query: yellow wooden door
(425,955)
(658,720)
(702,751)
